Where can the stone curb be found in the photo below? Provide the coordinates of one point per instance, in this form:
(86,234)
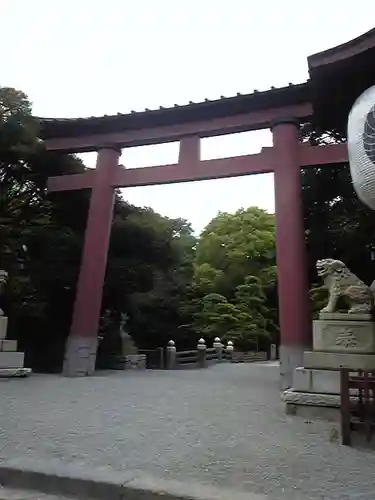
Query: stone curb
(107,484)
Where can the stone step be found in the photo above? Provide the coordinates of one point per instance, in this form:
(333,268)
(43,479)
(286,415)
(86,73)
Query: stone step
(335,361)
(15,373)
(8,345)
(11,359)
(80,481)
(16,494)
(294,398)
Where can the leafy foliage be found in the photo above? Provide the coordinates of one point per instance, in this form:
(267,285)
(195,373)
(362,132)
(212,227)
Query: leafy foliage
(238,245)
(234,280)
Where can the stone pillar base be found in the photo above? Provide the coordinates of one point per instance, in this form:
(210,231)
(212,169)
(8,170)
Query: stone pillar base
(290,358)
(80,356)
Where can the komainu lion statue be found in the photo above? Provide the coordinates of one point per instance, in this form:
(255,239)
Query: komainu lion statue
(341,282)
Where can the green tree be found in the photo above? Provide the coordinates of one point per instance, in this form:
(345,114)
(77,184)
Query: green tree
(235,261)
(238,245)
(217,317)
(206,278)
(149,269)
(251,299)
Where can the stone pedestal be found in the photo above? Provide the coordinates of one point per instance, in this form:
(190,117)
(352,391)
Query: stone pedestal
(11,361)
(339,340)
(344,335)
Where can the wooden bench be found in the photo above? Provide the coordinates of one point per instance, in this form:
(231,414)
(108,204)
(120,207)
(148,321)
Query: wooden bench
(357,403)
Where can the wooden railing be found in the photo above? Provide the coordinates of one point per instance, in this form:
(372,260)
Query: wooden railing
(249,357)
(357,403)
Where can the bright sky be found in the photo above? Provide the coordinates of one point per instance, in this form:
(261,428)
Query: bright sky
(80,58)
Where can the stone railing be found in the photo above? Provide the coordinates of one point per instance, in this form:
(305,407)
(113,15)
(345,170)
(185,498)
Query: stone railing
(201,357)
(155,358)
(249,357)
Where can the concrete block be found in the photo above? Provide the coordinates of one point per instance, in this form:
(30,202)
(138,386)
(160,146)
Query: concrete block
(310,412)
(290,358)
(310,399)
(3,327)
(316,381)
(135,361)
(293,397)
(344,336)
(11,359)
(335,361)
(8,345)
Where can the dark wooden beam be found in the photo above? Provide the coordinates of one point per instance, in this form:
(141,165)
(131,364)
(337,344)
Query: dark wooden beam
(323,155)
(220,126)
(71,182)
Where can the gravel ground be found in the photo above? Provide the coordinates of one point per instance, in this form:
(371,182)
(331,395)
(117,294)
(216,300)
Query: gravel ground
(223,426)
(10,494)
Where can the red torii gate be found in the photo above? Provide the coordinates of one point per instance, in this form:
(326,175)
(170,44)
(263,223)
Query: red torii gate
(326,99)
(285,159)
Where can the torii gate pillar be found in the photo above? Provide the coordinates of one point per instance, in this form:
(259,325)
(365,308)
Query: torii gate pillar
(81,346)
(294,314)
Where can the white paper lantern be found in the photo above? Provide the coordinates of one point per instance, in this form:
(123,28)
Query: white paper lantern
(361,146)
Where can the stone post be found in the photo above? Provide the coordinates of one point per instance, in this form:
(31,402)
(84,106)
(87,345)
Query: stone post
(273,352)
(201,354)
(171,355)
(161,358)
(229,349)
(219,348)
